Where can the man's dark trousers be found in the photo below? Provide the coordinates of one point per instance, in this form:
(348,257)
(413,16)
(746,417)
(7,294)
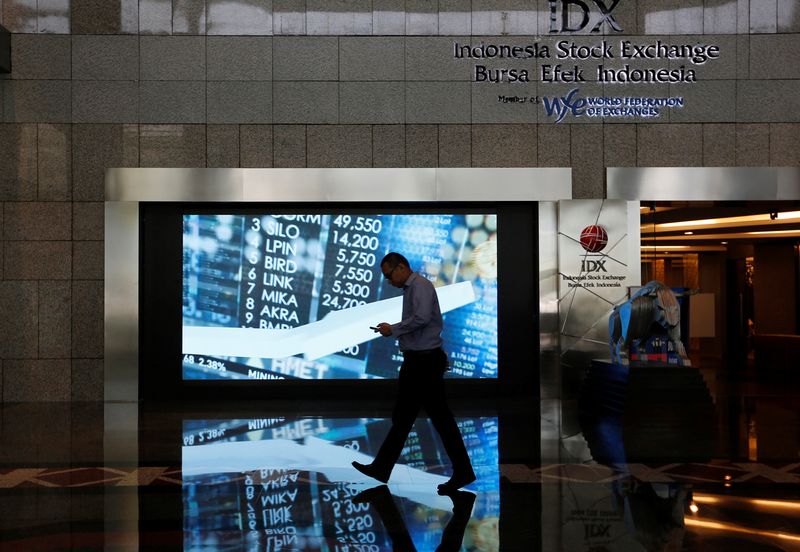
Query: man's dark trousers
(421,385)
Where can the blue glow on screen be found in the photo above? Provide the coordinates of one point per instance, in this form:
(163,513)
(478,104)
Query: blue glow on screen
(306,277)
(275,483)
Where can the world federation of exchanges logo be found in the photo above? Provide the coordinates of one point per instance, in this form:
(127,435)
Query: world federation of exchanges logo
(607,106)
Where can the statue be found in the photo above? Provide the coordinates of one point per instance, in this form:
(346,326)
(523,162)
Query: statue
(654,303)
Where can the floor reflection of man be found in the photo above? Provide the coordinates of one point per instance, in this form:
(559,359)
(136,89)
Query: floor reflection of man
(421,378)
(381,500)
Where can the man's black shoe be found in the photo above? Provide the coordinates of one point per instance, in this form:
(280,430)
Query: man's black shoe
(456,482)
(372,495)
(373,472)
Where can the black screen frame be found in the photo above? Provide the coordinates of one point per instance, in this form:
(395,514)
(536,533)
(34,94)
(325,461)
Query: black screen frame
(160,313)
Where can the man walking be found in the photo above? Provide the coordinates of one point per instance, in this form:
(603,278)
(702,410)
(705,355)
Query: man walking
(421,378)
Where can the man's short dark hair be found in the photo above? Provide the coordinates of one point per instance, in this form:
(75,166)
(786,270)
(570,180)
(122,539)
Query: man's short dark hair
(393,259)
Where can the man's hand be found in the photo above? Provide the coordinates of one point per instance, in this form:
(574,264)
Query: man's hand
(384,328)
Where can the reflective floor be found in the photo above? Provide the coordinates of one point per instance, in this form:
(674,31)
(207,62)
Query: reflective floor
(720,472)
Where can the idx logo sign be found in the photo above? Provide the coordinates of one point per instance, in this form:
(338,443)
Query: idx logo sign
(588,265)
(601,5)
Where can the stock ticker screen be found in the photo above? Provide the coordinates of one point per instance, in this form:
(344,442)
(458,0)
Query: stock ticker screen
(287,484)
(293,296)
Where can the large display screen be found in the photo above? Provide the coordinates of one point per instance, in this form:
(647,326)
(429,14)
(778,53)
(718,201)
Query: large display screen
(293,296)
(287,484)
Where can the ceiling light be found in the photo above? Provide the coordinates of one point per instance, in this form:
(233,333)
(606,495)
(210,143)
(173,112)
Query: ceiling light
(764,232)
(765,218)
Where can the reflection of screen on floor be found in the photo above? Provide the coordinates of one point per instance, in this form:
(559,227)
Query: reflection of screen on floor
(297,296)
(289,484)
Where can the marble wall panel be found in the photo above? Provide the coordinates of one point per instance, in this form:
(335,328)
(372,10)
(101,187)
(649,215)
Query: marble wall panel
(305,102)
(54,161)
(788,16)
(37,101)
(588,172)
(239,17)
(37,221)
(20,332)
(763,16)
(18,162)
(88,220)
(438,102)
(504,17)
(422,146)
(372,58)
(38,260)
(339,146)
(40,56)
(455,18)
(720,17)
(743,16)
(670,17)
(173,146)
(422,17)
(339,17)
(619,145)
(256,148)
(172,102)
(239,58)
(509,145)
(431,59)
(96,16)
(769,53)
(769,101)
(87,260)
(783,144)
(742,57)
(53,16)
(105,57)
(222,146)
(706,102)
(719,145)
(669,145)
(289,145)
(172,58)
(504,103)
(55,318)
(87,319)
(388,146)
(289,17)
(554,145)
(188,17)
(372,102)
(87,382)
(105,101)
(388,17)
(752,145)
(245,102)
(155,17)
(95,147)
(20,16)
(298,58)
(37,380)
(455,146)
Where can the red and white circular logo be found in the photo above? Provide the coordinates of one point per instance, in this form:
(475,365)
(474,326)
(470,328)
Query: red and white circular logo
(594,238)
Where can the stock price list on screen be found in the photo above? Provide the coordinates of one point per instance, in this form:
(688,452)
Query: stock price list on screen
(350,277)
(277,271)
(283,271)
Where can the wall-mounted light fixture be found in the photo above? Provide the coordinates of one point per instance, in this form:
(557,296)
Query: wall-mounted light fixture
(5,50)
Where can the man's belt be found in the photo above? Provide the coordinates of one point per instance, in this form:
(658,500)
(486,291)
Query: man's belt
(421,352)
